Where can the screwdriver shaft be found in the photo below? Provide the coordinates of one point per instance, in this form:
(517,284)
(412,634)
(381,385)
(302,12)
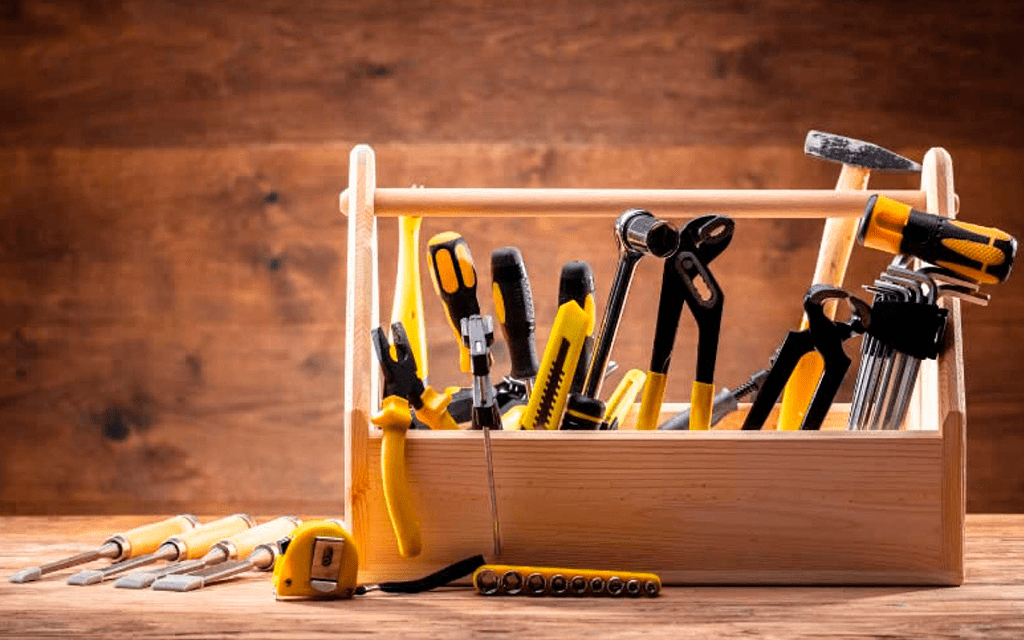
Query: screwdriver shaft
(494,496)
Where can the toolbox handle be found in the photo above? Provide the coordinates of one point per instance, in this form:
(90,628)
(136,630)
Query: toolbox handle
(609,203)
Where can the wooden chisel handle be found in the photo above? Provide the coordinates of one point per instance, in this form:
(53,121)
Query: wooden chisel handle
(194,544)
(244,543)
(148,538)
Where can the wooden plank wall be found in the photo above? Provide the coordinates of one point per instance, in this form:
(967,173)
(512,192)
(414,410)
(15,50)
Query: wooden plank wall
(172,261)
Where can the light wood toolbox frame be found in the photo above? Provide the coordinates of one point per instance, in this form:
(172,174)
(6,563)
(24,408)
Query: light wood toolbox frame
(714,507)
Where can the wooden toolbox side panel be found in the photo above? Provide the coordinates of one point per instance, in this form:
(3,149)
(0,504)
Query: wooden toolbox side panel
(844,508)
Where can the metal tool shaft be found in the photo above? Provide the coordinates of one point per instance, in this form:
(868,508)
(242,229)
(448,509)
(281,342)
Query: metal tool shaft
(494,496)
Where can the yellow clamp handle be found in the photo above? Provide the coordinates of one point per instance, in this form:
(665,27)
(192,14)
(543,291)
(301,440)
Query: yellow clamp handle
(702,400)
(434,412)
(394,418)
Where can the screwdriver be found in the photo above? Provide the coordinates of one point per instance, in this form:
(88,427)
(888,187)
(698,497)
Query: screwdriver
(513,305)
(984,254)
(131,543)
(185,546)
(577,283)
(726,401)
(239,545)
(454,278)
(478,336)
(407,307)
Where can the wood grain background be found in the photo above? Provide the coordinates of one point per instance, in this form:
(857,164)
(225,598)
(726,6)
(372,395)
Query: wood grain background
(172,260)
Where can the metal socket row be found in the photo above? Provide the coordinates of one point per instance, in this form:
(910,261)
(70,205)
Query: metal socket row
(512,583)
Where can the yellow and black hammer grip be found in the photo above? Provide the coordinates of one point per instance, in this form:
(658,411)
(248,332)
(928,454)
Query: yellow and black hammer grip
(983,254)
(454,277)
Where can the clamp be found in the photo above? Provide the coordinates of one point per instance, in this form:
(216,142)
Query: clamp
(688,280)
(822,335)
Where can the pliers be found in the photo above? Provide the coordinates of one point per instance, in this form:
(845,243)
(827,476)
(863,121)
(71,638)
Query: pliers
(400,379)
(822,335)
(688,280)
(403,391)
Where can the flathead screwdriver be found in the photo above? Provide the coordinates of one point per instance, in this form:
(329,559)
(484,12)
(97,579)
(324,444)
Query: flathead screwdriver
(131,543)
(186,546)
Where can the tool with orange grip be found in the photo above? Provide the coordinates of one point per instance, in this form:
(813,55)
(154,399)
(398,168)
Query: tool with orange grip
(132,543)
(454,277)
(185,546)
(983,254)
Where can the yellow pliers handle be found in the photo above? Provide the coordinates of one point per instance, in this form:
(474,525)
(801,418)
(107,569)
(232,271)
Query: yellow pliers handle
(394,418)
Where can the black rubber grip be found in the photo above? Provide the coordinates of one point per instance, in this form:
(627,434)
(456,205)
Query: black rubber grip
(576,283)
(518,323)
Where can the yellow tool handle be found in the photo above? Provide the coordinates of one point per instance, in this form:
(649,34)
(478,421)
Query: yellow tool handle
(512,419)
(984,254)
(624,398)
(407,307)
(514,580)
(551,389)
(650,405)
(148,538)
(194,544)
(702,400)
(394,418)
(245,542)
(837,242)
(454,277)
(434,412)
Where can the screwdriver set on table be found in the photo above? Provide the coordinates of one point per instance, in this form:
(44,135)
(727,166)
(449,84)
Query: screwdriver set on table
(542,468)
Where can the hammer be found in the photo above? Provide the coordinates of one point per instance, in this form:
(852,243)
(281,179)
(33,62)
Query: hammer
(859,159)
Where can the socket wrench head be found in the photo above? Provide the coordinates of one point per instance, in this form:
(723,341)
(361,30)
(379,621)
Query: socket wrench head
(639,230)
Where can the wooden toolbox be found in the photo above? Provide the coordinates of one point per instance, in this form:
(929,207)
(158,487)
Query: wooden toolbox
(713,507)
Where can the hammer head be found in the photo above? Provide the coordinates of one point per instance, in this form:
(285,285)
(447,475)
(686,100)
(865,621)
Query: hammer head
(858,153)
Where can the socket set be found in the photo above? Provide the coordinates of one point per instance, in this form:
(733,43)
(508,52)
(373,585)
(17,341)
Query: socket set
(509,580)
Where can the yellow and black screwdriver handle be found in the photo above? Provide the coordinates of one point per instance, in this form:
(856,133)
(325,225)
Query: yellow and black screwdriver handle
(983,254)
(454,277)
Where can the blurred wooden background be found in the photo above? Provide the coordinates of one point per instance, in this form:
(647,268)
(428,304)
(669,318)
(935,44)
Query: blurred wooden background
(172,258)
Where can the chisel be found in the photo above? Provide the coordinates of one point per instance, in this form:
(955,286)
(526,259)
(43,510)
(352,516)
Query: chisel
(132,543)
(237,546)
(185,546)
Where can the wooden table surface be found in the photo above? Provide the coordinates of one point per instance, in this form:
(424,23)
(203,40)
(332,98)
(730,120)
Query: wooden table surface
(989,605)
